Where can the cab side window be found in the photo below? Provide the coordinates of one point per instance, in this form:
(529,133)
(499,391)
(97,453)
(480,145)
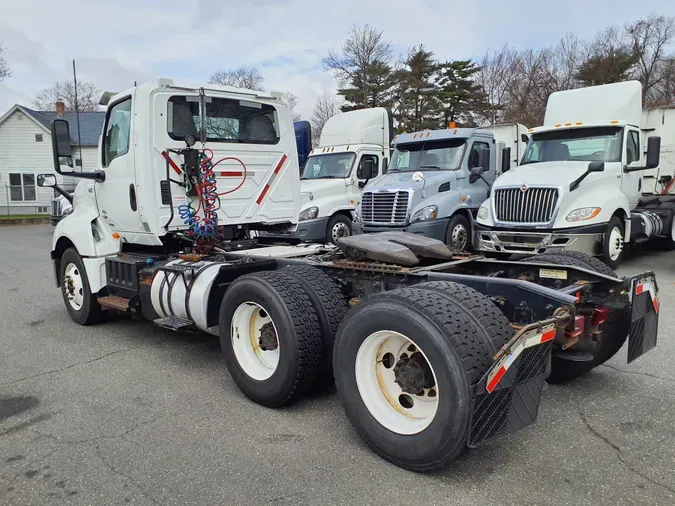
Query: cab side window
(480,151)
(632,147)
(375,160)
(117,132)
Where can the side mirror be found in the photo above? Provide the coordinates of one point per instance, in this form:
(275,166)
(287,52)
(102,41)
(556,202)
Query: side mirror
(366,169)
(506,159)
(596,166)
(653,152)
(46,180)
(61,147)
(476,174)
(385,164)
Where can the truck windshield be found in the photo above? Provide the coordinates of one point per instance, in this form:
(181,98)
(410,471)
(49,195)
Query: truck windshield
(227,120)
(329,166)
(577,144)
(430,155)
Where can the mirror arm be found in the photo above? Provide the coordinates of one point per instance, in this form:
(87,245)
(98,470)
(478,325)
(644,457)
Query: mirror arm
(97,175)
(575,184)
(68,196)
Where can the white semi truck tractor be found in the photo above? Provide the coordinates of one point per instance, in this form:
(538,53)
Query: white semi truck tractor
(431,353)
(581,184)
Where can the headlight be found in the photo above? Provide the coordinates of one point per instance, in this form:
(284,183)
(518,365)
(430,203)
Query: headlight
(483,212)
(585,213)
(309,214)
(426,214)
(68,211)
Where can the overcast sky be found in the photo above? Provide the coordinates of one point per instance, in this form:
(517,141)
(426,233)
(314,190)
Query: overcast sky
(116,43)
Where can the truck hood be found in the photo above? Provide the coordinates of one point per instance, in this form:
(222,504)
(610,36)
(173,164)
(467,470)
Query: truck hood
(316,189)
(404,181)
(544,174)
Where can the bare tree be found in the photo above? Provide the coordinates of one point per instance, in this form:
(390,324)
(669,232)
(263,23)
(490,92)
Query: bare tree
(291,101)
(497,71)
(649,39)
(242,77)
(4,67)
(663,92)
(363,67)
(88,96)
(326,107)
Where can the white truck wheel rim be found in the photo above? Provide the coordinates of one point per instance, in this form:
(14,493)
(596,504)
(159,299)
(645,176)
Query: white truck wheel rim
(74,287)
(615,243)
(459,235)
(257,357)
(398,411)
(672,231)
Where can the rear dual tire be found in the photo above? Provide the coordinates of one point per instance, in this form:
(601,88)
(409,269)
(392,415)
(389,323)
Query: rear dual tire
(427,322)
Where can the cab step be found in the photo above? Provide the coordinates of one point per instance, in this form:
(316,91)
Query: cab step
(114,302)
(175,323)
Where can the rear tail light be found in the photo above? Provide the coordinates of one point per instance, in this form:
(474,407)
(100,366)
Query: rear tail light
(600,316)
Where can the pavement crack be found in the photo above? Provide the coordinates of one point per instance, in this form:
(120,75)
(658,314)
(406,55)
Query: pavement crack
(619,452)
(119,473)
(79,364)
(638,373)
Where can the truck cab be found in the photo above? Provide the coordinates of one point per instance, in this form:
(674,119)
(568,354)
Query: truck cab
(579,182)
(434,185)
(330,182)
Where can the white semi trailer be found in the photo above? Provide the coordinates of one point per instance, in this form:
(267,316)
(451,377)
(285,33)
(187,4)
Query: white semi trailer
(430,353)
(589,181)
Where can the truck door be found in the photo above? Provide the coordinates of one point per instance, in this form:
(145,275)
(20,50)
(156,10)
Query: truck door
(479,154)
(358,184)
(116,196)
(631,182)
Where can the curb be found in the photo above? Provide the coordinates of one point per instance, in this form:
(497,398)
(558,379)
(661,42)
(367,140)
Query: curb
(25,221)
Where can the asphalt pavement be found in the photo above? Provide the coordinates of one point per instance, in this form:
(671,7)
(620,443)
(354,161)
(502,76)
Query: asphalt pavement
(127,413)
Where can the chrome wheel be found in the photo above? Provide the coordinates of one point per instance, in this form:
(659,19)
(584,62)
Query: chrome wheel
(459,237)
(340,229)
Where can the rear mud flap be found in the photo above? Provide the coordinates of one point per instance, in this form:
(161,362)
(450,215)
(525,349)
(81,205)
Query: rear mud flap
(507,397)
(644,316)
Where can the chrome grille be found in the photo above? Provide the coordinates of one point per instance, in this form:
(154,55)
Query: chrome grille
(384,207)
(535,205)
(56,207)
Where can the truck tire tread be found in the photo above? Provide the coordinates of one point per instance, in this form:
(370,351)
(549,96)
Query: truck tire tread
(467,345)
(494,324)
(330,305)
(305,327)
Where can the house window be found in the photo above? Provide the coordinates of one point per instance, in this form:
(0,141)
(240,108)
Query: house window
(22,187)
(43,210)
(78,163)
(38,137)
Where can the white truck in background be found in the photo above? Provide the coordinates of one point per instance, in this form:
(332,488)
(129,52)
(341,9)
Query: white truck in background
(330,186)
(512,135)
(581,184)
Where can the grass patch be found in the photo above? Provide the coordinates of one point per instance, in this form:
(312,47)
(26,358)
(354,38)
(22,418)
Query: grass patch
(23,216)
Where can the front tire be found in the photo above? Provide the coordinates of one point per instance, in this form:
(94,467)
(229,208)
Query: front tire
(405,365)
(458,235)
(613,243)
(81,304)
(339,226)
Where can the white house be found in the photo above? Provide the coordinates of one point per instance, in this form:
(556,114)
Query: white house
(26,151)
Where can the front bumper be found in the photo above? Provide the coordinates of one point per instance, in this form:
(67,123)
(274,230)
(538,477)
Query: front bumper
(306,231)
(435,229)
(514,241)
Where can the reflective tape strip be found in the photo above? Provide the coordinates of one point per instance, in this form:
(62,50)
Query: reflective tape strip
(648,286)
(172,163)
(528,340)
(231,174)
(276,171)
